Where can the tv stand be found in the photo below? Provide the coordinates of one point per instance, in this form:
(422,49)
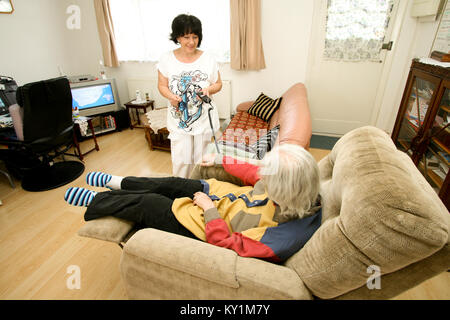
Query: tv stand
(107,122)
(101,124)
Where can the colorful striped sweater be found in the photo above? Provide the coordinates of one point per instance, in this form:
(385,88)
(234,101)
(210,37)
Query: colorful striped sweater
(244,218)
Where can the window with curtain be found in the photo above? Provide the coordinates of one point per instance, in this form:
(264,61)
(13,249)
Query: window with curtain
(355,29)
(142,27)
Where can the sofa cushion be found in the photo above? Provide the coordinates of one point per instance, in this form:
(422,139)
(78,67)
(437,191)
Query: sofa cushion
(244,128)
(264,107)
(265,143)
(256,150)
(378,210)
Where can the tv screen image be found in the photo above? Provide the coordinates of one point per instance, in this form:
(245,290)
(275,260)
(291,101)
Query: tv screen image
(92,96)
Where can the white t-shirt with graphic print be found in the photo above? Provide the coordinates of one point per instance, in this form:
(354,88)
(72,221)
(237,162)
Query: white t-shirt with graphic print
(185,79)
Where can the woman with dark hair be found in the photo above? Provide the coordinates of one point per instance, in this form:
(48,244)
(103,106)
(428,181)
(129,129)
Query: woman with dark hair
(183,74)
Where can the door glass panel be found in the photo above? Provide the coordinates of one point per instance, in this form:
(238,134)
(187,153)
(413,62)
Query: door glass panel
(414,117)
(355,30)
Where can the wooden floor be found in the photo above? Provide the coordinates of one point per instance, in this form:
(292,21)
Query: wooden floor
(38,232)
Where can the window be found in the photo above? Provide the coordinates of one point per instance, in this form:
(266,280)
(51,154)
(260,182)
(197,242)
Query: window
(143,27)
(356,28)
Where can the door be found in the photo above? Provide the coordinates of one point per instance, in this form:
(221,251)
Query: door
(343,95)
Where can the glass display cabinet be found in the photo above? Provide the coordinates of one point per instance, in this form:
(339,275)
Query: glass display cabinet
(421,128)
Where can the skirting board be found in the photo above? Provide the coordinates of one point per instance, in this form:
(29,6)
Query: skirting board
(330,127)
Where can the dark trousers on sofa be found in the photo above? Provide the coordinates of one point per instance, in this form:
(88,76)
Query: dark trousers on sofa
(145,201)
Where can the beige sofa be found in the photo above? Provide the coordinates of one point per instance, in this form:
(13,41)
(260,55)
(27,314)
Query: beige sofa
(384,230)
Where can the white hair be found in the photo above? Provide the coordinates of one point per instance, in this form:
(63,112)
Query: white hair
(291,177)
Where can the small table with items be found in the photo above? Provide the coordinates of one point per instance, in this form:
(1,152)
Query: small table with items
(80,122)
(137,106)
(156,132)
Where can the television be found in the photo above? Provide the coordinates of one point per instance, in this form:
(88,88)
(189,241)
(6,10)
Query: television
(95,97)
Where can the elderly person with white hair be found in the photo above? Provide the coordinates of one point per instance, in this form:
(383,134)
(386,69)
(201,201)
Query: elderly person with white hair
(271,218)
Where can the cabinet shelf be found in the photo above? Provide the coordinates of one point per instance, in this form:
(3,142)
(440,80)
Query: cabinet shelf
(445,108)
(440,145)
(404,144)
(435,179)
(439,156)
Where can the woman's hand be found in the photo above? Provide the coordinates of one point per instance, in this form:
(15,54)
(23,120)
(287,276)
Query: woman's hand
(202,92)
(203,201)
(163,88)
(175,100)
(205,91)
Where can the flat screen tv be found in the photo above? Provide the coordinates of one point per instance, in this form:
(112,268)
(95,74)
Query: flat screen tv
(95,97)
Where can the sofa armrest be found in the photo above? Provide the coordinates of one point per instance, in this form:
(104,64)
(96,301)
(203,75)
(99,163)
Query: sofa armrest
(161,265)
(269,281)
(216,172)
(244,106)
(184,254)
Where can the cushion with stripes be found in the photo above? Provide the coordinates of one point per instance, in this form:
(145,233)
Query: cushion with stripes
(265,143)
(264,107)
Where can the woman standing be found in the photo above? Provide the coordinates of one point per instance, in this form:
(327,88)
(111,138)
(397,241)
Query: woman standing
(183,74)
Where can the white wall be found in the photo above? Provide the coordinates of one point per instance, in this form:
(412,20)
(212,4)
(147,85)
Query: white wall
(286,29)
(36,41)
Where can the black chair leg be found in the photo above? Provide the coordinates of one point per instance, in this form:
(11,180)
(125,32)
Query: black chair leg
(11,182)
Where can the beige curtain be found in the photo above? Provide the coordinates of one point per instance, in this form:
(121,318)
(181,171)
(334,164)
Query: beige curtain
(246,48)
(106,32)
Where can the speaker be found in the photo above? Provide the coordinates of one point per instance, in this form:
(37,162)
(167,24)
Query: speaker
(122,119)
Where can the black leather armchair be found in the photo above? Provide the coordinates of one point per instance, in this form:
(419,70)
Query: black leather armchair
(47,135)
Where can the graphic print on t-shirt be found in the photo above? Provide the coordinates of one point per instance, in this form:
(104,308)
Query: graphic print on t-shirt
(186,85)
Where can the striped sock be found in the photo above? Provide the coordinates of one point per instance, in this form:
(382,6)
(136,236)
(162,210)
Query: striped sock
(97,179)
(79,196)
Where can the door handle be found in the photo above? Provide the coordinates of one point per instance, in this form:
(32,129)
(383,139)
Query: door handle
(387,46)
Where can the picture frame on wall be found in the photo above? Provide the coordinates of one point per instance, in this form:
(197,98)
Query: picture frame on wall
(6,6)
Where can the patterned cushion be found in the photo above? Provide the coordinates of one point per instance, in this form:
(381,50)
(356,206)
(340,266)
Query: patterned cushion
(264,107)
(265,143)
(256,150)
(245,128)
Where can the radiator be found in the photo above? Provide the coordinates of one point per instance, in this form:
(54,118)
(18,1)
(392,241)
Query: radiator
(222,99)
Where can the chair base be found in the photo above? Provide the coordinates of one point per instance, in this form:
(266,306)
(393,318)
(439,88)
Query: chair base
(57,175)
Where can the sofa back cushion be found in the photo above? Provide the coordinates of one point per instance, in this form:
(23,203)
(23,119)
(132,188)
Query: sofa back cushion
(379,213)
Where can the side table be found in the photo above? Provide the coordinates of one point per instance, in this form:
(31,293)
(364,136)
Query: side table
(76,142)
(157,140)
(130,105)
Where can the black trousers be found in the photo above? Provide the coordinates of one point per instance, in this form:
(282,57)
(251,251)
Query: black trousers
(145,201)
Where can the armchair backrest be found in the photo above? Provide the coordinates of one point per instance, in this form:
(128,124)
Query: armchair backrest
(378,212)
(47,111)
